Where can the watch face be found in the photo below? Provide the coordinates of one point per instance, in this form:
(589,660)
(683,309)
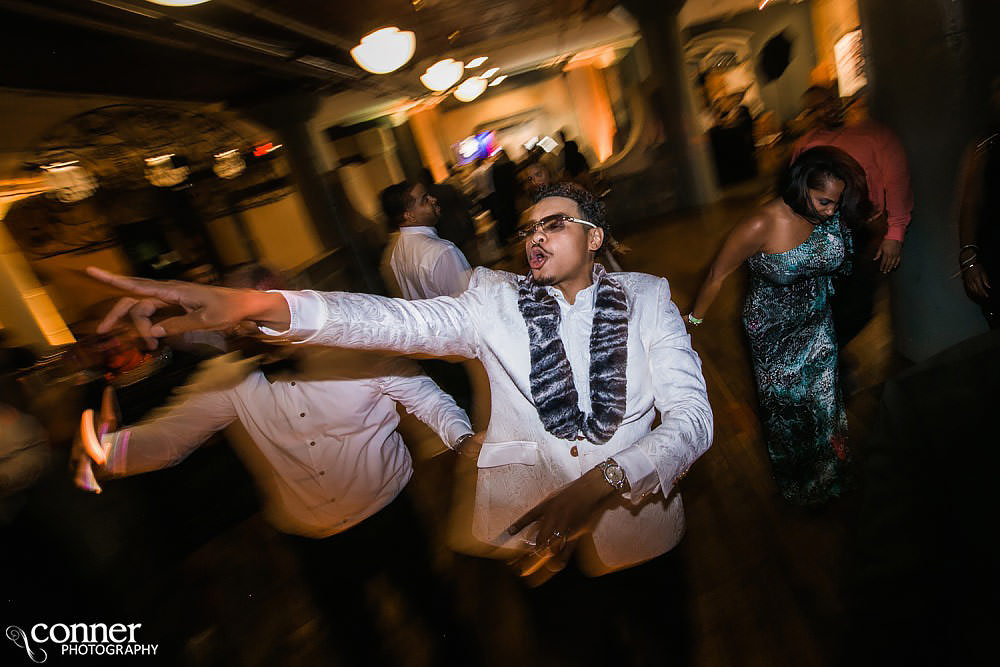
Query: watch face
(614,474)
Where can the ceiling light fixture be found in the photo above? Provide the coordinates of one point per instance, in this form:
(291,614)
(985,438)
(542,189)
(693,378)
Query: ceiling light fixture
(476,62)
(470,89)
(490,72)
(385,50)
(443,74)
(177,3)
(497,81)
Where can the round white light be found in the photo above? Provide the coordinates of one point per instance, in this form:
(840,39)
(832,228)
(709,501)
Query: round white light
(476,62)
(470,89)
(443,74)
(177,3)
(385,50)
(497,81)
(490,72)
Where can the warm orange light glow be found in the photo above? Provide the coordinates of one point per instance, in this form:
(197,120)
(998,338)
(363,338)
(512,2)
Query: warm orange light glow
(593,109)
(600,57)
(425,125)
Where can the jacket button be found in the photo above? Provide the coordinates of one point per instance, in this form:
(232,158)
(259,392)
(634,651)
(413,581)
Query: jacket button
(312,443)
(573,451)
(302,414)
(322,472)
(293,383)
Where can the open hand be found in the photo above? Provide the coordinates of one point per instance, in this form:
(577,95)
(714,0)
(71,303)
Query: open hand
(977,283)
(889,252)
(563,518)
(207,308)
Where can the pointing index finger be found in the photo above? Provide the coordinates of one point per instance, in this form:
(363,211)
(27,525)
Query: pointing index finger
(171,293)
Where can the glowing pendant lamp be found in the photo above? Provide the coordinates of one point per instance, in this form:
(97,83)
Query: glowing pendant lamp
(470,89)
(385,50)
(443,74)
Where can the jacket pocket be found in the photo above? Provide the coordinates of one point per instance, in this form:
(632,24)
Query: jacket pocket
(495,454)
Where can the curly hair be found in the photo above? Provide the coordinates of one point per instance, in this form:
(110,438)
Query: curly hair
(591,208)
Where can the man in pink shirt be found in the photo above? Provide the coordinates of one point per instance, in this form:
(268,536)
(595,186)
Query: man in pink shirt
(879,245)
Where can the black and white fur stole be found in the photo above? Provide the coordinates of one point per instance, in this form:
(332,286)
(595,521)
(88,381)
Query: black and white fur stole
(552,387)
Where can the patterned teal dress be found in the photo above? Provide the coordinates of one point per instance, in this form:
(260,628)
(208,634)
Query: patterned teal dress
(789,324)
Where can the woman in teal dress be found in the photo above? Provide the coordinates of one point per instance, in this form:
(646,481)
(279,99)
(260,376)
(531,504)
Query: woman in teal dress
(794,246)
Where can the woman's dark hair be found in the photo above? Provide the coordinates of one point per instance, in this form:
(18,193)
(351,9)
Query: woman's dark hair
(816,166)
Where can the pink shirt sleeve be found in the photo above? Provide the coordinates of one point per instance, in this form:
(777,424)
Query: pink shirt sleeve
(898,195)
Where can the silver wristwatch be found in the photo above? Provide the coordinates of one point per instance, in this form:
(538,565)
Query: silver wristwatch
(614,475)
(461,441)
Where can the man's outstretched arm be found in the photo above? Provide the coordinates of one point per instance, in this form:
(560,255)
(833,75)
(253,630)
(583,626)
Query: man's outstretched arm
(440,327)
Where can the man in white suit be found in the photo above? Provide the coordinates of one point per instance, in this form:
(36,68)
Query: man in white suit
(579,363)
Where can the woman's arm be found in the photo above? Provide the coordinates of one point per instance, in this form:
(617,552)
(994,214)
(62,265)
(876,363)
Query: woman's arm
(746,239)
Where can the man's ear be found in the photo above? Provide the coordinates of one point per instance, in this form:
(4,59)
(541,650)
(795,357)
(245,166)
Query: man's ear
(595,238)
(408,217)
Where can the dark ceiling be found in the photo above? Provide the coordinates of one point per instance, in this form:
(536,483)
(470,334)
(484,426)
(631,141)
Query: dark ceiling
(242,50)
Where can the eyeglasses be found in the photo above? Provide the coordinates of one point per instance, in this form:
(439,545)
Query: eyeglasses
(550,224)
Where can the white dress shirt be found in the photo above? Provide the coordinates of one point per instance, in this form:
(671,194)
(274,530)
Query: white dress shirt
(520,462)
(424,265)
(322,441)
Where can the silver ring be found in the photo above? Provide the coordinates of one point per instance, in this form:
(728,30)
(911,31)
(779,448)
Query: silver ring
(556,537)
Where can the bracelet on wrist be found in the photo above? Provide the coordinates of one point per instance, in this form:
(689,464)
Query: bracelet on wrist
(967,246)
(966,267)
(694,320)
(461,441)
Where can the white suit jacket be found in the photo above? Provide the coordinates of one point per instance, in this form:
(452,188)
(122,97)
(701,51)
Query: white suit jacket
(521,463)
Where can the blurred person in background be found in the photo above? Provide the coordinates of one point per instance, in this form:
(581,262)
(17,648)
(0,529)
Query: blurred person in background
(575,165)
(417,263)
(505,189)
(979,216)
(794,246)
(321,441)
(454,221)
(878,242)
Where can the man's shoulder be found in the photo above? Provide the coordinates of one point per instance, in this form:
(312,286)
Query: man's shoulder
(639,283)
(490,279)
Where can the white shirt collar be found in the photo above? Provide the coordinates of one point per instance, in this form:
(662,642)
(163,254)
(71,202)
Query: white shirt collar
(423,231)
(586,297)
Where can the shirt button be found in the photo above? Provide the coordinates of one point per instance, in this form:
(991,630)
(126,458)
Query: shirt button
(322,472)
(293,383)
(302,414)
(312,443)
(573,451)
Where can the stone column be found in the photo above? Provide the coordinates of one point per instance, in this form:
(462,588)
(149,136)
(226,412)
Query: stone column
(672,103)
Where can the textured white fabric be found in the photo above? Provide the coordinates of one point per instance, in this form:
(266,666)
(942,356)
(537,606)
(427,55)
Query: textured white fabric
(521,462)
(424,265)
(322,442)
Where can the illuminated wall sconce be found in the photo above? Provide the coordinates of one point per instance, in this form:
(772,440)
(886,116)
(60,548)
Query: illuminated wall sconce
(490,72)
(229,164)
(166,171)
(68,182)
(385,50)
(476,62)
(497,81)
(443,74)
(470,89)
